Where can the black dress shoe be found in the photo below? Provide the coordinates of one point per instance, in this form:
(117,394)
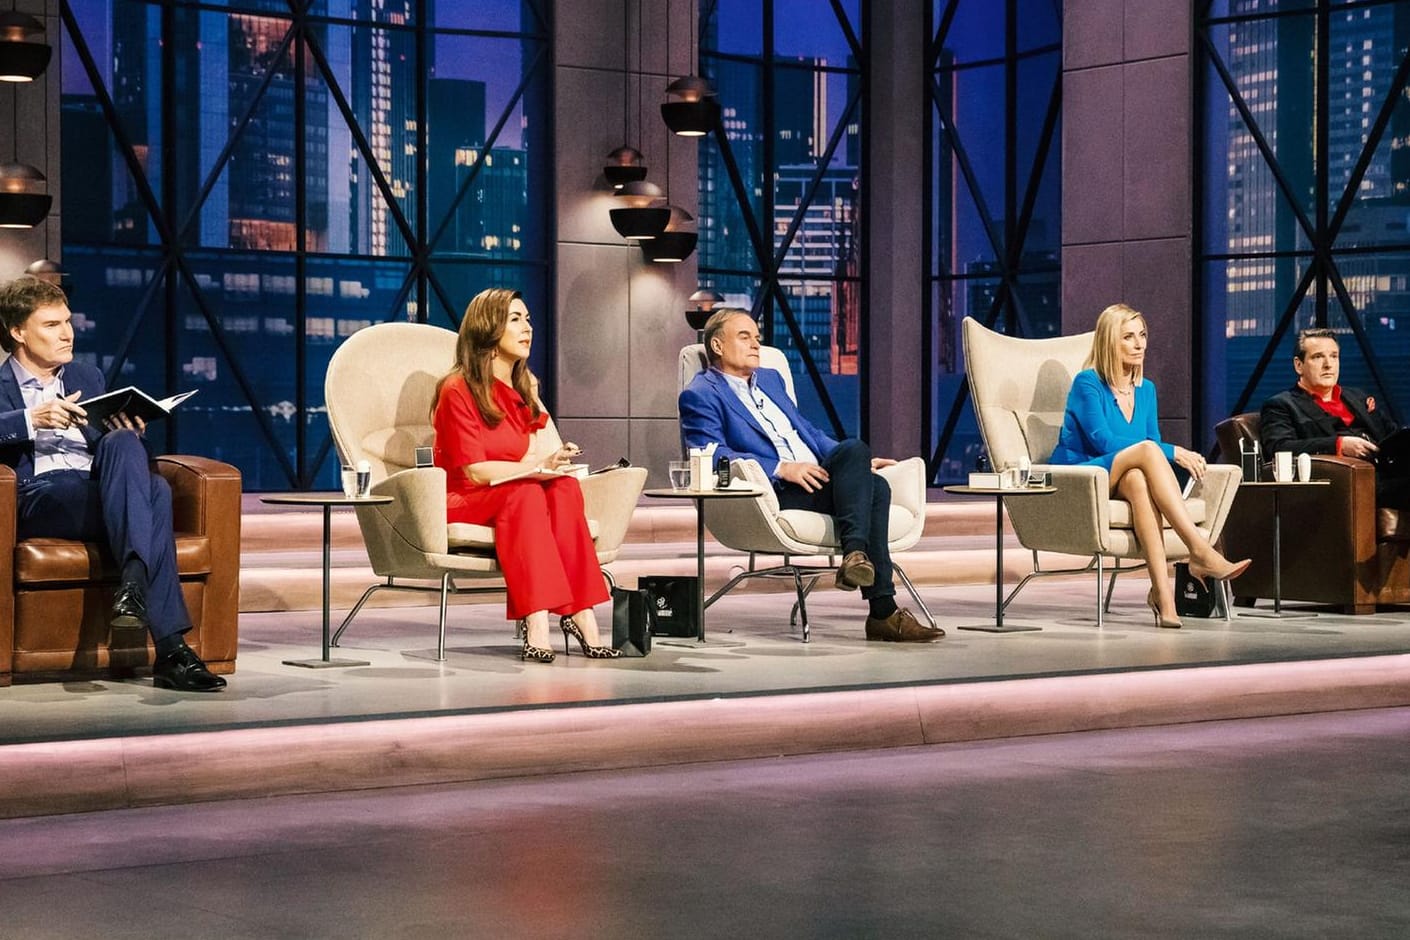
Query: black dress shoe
(183,671)
(129,608)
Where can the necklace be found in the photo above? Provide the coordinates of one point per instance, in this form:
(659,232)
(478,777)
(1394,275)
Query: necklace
(1123,391)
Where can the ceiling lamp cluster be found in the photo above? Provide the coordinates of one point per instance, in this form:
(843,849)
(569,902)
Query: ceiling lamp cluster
(666,233)
(24,200)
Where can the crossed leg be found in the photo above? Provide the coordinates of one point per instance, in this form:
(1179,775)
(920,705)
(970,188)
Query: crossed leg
(1141,475)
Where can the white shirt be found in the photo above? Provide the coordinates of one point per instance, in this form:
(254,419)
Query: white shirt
(785,437)
(53,449)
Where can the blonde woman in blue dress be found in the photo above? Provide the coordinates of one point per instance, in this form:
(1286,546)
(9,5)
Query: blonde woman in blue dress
(1111,421)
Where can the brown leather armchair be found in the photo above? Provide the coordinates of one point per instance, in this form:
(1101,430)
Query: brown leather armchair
(56,594)
(1337,547)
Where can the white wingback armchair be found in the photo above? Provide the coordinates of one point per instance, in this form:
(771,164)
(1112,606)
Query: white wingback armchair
(1019,389)
(379,389)
(761,527)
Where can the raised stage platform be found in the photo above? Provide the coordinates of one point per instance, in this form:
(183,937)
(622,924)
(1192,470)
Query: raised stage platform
(754,689)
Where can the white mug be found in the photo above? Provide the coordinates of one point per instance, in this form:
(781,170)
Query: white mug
(1283,466)
(1304,467)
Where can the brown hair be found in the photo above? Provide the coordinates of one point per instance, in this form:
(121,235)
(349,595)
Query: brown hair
(1315,333)
(1105,357)
(21,297)
(480,331)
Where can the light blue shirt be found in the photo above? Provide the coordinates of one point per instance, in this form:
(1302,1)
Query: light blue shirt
(785,437)
(53,449)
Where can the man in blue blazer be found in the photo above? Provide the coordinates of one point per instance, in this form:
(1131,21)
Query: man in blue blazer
(79,482)
(746,412)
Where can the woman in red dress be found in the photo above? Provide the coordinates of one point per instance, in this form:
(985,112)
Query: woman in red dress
(491,426)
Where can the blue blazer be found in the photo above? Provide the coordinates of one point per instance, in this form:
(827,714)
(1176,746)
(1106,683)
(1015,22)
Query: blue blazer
(712,412)
(16,447)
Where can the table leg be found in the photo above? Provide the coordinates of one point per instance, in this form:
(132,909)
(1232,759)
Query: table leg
(998,625)
(700,570)
(1277,556)
(325,662)
(1278,611)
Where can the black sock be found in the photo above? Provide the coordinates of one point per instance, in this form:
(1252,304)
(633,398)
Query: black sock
(134,572)
(170,644)
(882,606)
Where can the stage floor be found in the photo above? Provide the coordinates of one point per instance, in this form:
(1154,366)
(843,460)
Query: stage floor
(750,651)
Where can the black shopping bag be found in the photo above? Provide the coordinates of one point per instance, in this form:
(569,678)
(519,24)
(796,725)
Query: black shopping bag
(632,620)
(1192,597)
(673,603)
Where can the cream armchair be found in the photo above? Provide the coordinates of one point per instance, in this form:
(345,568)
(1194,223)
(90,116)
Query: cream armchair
(760,527)
(1019,389)
(379,389)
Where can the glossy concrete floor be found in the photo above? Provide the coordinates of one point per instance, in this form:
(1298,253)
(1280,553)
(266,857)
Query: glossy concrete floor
(750,650)
(1287,827)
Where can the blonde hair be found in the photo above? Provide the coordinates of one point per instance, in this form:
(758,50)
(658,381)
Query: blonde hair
(475,344)
(1105,356)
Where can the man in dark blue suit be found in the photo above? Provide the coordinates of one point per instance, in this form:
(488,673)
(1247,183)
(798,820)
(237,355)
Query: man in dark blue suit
(94,485)
(746,412)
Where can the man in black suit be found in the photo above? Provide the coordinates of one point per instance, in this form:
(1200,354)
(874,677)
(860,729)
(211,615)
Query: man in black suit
(1318,416)
(79,482)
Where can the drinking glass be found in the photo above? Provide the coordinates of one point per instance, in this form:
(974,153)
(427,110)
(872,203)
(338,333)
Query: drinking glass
(679,471)
(349,479)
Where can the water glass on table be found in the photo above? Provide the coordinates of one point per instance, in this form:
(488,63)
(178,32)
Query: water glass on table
(679,472)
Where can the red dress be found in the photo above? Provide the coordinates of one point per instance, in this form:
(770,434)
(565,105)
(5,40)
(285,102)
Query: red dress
(540,530)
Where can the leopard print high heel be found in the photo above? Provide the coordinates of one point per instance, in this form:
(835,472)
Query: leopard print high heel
(571,628)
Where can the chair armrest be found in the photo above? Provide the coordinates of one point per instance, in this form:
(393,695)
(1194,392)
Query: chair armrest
(1075,520)
(414,521)
(205,500)
(1217,489)
(907,481)
(8,487)
(611,498)
(205,496)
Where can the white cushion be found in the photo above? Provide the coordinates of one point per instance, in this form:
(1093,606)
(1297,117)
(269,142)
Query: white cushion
(815,528)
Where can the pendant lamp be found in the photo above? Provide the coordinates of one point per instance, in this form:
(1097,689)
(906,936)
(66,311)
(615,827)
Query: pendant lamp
(21,59)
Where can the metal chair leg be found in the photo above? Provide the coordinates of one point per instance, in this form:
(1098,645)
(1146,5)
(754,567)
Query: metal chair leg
(915,595)
(356,607)
(441,626)
(802,607)
(1101,621)
(793,614)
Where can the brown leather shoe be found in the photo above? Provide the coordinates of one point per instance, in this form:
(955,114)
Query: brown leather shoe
(901,627)
(856,571)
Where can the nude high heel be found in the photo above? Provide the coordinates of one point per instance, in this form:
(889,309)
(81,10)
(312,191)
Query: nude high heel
(1160,621)
(1221,570)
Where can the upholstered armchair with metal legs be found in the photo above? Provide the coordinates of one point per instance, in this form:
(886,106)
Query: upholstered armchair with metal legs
(1019,390)
(760,527)
(379,389)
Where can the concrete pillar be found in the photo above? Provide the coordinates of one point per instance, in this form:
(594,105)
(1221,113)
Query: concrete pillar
(1127,159)
(620,320)
(894,376)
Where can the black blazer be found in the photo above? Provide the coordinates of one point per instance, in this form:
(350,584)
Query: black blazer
(1292,420)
